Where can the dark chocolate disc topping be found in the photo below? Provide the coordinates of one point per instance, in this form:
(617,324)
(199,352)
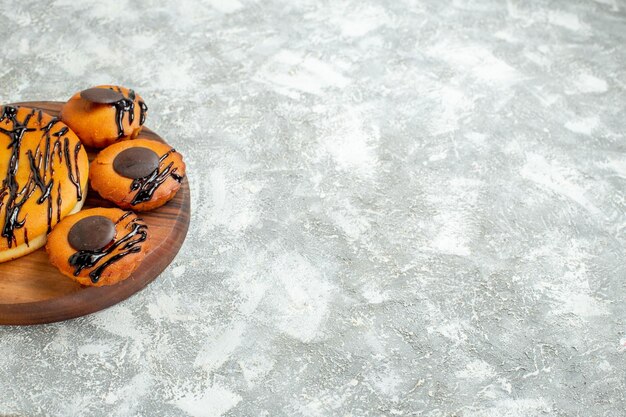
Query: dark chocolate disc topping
(91,233)
(136,162)
(101,95)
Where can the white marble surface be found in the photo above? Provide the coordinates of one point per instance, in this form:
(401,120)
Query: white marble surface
(400,208)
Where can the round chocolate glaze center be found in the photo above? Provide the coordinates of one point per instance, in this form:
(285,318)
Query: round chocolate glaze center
(91,233)
(101,95)
(136,162)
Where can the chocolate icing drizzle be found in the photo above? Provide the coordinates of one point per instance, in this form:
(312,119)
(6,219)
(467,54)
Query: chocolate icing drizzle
(130,243)
(74,179)
(143,109)
(147,185)
(41,163)
(127,105)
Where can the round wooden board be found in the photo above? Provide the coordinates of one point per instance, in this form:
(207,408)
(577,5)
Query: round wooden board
(32,291)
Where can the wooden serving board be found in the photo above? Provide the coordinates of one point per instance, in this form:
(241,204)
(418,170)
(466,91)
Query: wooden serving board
(32,291)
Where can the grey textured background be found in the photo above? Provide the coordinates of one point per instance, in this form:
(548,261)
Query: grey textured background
(399,208)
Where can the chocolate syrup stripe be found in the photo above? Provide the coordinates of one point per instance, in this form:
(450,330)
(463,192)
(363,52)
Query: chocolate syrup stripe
(143,109)
(130,243)
(127,105)
(41,172)
(146,186)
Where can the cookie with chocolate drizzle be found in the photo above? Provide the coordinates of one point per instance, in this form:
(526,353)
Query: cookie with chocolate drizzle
(45,170)
(140,174)
(105,114)
(100,246)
